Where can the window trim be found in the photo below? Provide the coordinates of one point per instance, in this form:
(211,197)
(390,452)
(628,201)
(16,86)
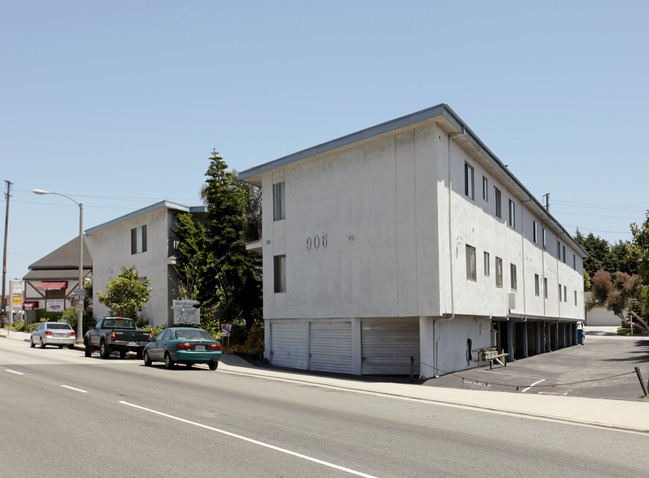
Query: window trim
(486,264)
(485,189)
(279,273)
(471,263)
(469,181)
(279,201)
(498,210)
(513,279)
(499,272)
(511,220)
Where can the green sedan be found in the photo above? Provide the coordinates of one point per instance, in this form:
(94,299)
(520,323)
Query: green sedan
(183,345)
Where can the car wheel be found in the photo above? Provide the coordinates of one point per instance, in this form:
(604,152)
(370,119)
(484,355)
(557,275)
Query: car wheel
(147,360)
(42,343)
(138,355)
(60,346)
(122,354)
(31,342)
(88,351)
(188,365)
(169,363)
(213,364)
(104,350)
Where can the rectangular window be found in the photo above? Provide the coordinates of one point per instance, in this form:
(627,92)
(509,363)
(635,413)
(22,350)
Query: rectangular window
(138,240)
(537,285)
(485,189)
(575,297)
(535,232)
(468,181)
(279,201)
(513,280)
(564,254)
(470,263)
(558,250)
(559,292)
(545,239)
(545,287)
(487,270)
(280,273)
(574,262)
(512,214)
(499,272)
(497,208)
(565,293)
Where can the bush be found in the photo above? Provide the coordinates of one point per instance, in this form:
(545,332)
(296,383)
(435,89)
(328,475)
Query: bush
(254,342)
(32,327)
(18,325)
(627,331)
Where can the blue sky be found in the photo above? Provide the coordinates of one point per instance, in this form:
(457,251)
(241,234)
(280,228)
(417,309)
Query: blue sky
(119,103)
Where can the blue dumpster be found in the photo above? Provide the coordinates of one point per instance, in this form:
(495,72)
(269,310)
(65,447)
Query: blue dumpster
(580,336)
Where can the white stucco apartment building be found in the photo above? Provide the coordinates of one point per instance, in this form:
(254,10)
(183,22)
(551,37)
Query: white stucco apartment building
(406,247)
(142,239)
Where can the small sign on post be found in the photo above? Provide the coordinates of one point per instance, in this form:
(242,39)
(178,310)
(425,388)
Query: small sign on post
(185,312)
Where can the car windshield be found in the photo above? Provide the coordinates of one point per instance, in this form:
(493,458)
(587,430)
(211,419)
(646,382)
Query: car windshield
(196,334)
(58,326)
(119,323)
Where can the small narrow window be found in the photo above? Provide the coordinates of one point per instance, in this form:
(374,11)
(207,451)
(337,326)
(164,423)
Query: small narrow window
(559,292)
(513,279)
(535,232)
(471,273)
(575,297)
(279,201)
(499,272)
(487,270)
(564,254)
(545,239)
(512,214)
(565,293)
(574,262)
(545,287)
(280,273)
(497,208)
(537,285)
(558,250)
(468,181)
(138,240)
(485,189)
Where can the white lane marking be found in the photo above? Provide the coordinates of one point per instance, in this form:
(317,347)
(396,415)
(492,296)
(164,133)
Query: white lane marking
(250,440)
(535,383)
(13,371)
(75,389)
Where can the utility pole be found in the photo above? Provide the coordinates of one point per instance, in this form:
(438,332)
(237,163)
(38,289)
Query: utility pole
(3,312)
(547,201)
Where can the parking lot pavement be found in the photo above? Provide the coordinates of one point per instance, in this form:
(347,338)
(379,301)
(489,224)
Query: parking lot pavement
(602,368)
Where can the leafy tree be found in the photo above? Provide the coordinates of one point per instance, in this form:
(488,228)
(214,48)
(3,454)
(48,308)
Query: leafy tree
(236,284)
(127,294)
(603,256)
(618,292)
(639,247)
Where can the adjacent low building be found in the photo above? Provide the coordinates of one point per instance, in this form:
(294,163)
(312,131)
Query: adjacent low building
(143,239)
(407,247)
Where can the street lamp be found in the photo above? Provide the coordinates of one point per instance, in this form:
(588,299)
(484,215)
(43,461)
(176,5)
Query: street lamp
(79,340)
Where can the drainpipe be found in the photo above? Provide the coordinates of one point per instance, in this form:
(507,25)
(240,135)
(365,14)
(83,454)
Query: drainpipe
(450,316)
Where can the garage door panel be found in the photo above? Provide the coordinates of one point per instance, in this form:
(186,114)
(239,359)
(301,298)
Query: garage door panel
(331,347)
(289,344)
(387,347)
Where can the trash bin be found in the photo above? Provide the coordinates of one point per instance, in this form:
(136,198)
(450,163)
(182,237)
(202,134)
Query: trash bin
(580,336)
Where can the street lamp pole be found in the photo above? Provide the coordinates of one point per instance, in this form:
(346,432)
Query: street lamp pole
(80,286)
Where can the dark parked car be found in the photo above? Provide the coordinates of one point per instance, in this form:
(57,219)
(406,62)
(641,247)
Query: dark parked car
(116,334)
(183,345)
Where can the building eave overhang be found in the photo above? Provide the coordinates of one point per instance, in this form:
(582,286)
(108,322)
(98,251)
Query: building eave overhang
(452,123)
(154,207)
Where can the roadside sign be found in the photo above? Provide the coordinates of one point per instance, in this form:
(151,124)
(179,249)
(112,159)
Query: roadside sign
(185,312)
(79,306)
(226,330)
(79,294)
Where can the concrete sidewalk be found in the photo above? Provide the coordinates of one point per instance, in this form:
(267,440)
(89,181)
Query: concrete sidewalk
(614,414)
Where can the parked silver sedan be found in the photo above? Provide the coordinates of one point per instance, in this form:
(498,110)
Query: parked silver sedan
(53,333)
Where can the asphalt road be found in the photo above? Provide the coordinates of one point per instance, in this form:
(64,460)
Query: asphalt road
(602,368)
(62,414)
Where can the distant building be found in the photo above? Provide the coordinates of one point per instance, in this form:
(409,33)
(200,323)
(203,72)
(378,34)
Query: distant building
(52,280)
(142,239)
(409,246)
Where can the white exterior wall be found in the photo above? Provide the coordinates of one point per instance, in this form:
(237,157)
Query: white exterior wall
(112,250)
(375,202)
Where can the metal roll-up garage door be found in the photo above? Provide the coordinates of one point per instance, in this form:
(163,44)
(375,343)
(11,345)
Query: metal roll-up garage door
(331,346)
(289,344)
(388,345)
